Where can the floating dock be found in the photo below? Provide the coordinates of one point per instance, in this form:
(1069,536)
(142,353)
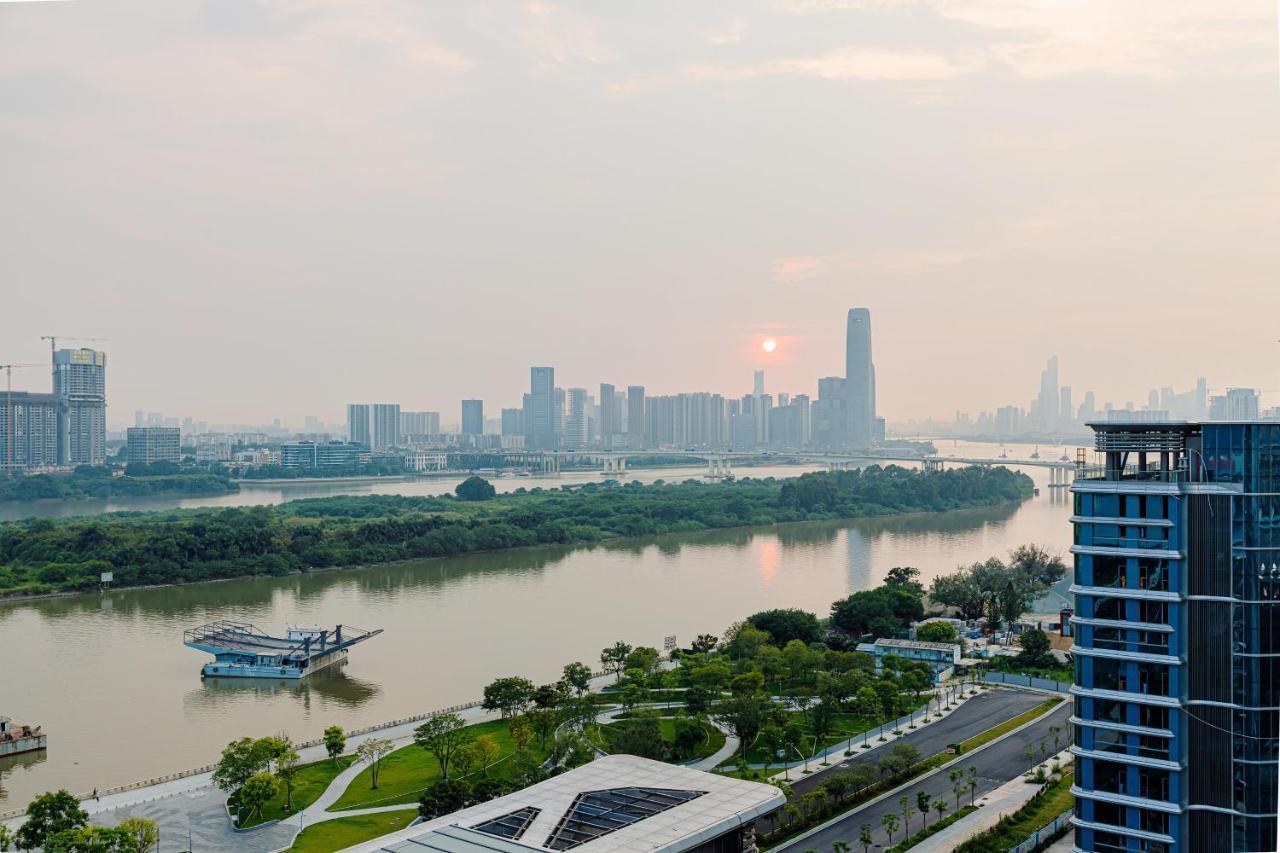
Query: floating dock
(242,651)
(15,739)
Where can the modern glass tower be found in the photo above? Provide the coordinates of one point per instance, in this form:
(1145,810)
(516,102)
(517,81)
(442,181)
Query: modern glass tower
(1177,689)
(859,379)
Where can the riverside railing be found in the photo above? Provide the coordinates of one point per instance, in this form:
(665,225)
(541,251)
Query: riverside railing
(209,768)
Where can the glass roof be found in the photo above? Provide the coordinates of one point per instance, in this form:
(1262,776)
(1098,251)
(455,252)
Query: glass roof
(510,825)
(597,813)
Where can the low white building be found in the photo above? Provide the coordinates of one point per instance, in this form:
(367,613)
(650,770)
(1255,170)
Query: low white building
(615,803)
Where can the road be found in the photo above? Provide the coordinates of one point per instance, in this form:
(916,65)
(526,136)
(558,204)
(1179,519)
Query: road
(996,765)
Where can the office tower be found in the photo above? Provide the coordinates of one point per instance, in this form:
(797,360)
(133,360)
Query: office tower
(742,432)
(512,422)
(559,400)
(28,431)
(384,426)
(1008,420)
(1064,405)
(473,417)
(153,444)
(80,383)
(359,424)
(1088,408)
(757,387)
(540,420)
(830,421)
(610,415)
(577,427)
(859,379)
(762,403)
(1177,635)
(1238,404)
(1047,403)
(805,409)
(635,417)
(1153,399)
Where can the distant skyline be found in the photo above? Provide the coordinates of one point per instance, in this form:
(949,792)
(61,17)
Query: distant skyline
(271,209)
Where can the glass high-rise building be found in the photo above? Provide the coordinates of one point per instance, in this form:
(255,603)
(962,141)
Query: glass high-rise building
(540,417)
(859,379)
(1177,648)
(358,424)
(80,383)
(472,417)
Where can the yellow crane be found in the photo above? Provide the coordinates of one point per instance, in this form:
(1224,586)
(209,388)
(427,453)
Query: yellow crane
(9,426)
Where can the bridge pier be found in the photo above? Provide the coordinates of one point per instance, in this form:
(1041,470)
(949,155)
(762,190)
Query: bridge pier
(718,468)
(614,466)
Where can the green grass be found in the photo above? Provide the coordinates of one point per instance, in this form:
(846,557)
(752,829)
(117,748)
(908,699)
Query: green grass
(845,727)
(1009,725)
(1015,829)
(308,784)
(343,832)
(408,771)
(713,738)
(932,829)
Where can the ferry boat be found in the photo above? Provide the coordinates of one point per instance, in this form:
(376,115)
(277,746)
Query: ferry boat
(240,650)
(15,739)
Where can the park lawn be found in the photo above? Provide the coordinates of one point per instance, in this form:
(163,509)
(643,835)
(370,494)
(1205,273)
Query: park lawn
(341,833)
(1056,799)
(309,783)
(410,770)
(713,737)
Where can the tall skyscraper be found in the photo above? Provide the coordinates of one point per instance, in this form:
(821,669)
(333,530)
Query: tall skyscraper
(384,426)
(540,419)
(28,431)
(472,417)
(512,422)
(859,379)
(1177,643)
(1045,408)
(358,424)
(577,424)
(757,386)
(610,415)
(636,423)
(80,383)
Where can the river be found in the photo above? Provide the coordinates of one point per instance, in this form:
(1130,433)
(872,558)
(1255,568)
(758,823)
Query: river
(122,699)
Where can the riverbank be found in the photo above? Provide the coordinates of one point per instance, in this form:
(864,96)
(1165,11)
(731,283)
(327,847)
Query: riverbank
(38,558)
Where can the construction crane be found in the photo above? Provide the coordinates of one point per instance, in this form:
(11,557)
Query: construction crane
(9,426)
(53,348)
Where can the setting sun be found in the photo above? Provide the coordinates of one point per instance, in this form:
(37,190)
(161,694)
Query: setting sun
(769,345)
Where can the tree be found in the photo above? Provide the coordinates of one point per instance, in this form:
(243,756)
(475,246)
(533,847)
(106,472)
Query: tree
(475,489)
(837,787)
(785,625)
(641,735)
(510,695)
(922,803)
(704,643)
(961,591)
(865,838)
(689,736)
(900,758)
(91,839)
(839,847)
(889,821)
(6,838)
(373,751)
(940,806)
(824,716)
(255,793)
(744,641)
(643,658)
(907,811)
(881,612)
(747,684)
(47,815)
(1037,651)
(1056,732)
(745,716)
(335,742)
(145,833)
(240,759)
(286,769)
(487,752)
(904,577)
(614,658)
(957,787)
(442,736)
(937,632)
(577,676)
(443,797)
(973,783)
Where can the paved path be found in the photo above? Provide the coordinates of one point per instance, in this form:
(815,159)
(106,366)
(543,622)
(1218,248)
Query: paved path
(1006,799)
(997,764)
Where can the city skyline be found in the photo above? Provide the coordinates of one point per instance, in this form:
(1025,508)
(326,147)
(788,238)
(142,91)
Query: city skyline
(899,156)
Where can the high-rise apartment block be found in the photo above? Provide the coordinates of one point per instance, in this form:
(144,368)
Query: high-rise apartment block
(80,383)
(28,431)
(153,444)
(540,418)
(358,424)
(472,417)
(859,379)
(1177,647)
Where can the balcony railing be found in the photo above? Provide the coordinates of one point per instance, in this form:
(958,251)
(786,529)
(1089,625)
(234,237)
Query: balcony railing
(1132,473)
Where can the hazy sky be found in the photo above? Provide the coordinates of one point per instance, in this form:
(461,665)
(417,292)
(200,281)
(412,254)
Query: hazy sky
(272,208)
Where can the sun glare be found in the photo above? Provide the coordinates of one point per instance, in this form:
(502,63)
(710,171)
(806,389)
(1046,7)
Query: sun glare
(769,345)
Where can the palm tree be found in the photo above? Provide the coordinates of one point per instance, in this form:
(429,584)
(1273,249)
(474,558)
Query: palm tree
(839,847)
(1057,738)
(864,837)
(940,806)
(922,802)
(973,783)
(889,821)
(907,812)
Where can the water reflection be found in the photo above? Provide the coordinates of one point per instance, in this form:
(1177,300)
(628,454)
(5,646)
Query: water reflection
(331,683)
(10,765)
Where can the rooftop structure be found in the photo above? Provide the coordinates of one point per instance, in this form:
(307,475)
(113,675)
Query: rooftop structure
(240,649)
(20,738)
(615,803)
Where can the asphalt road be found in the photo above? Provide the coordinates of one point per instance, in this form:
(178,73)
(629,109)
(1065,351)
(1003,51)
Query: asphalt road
(996,765)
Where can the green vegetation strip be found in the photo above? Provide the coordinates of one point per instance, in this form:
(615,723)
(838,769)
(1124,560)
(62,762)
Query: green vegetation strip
(1017,827)
(932,829)
(181,546)
(309,783)
(1009,725)
(341,833)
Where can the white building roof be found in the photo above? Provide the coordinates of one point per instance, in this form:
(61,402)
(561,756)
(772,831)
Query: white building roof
(917,644)
(695,807)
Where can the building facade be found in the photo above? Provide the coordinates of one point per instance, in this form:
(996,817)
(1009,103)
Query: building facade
(154,444)
(859,379)
(384,426)
(472,417)
(1177,647)
(80,383)
(358,423)
(28,431)
(540,419)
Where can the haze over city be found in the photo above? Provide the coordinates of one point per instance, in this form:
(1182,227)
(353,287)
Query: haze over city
(272,209)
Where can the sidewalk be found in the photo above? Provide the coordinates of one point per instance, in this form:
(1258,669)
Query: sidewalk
(1005,800)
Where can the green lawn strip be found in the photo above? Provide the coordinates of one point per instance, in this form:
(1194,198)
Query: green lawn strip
(933,829)
(845,727)
(408,771)
(713,740)
(1017,827)
(341,833)
(309,783)
(1009,725)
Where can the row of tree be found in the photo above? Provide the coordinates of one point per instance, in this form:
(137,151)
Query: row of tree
(56,824)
